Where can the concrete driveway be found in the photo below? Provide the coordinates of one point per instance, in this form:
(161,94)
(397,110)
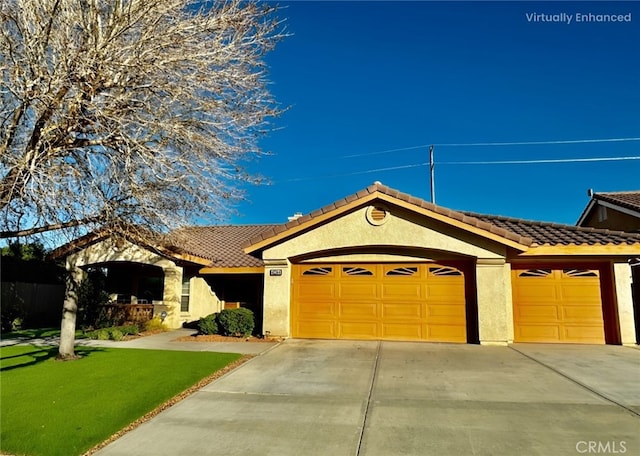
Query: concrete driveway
(393,398)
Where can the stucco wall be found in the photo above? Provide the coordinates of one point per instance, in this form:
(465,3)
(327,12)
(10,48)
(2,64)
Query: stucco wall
(108,251)
(624,300)
(202,300)
(495,302)
(400,233)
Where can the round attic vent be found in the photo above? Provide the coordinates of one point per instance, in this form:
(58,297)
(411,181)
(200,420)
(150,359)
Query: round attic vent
(377,215)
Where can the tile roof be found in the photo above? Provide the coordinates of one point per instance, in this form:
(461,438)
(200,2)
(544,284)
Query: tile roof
(558,234)
(628,200)
(378,187)
(221,244)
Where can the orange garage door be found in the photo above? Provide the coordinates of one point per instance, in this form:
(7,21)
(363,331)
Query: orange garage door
(557,305)
(378,301)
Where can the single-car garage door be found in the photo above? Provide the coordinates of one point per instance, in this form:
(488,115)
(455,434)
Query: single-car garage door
(378,301)
(557,305)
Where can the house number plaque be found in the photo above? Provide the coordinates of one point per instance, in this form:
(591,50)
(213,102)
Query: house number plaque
(275,272)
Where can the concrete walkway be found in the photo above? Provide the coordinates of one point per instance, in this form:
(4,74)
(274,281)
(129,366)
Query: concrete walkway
(393,398)
(160,341)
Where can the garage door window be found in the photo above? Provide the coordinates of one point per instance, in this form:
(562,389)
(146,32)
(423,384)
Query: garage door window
(579,273)
(444,271)
(403,271)
(535,273)
(317,272)
(357,271)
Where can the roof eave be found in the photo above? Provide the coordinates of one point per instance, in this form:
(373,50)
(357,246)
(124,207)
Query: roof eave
(323,217)
(627,250)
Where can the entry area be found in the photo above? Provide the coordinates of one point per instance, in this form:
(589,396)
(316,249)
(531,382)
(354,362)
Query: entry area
(557,305)
(412,301)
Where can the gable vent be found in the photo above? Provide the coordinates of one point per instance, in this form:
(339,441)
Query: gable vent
(377,215)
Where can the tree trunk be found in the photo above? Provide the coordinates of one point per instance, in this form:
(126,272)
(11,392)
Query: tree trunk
(69,313)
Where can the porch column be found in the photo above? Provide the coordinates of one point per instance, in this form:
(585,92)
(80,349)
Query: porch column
(495,305)
(624,300)
(277,298)
(171,297)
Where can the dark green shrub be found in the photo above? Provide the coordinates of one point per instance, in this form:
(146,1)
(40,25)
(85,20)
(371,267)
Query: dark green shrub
(208,324)
(236,322)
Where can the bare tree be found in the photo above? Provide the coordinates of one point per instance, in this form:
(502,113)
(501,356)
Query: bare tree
(121,113)
(135,111)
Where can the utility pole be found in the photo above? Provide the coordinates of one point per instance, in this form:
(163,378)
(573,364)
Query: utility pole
(432,167)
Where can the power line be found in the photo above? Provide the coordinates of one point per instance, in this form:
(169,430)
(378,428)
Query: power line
(355,173)
(533,162)
(495,162)
(491,144)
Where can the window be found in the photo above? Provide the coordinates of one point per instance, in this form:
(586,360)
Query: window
(184,298)
(403,271)
(444,271)
(535,273)
(357,271)
(317,271)
(579,273)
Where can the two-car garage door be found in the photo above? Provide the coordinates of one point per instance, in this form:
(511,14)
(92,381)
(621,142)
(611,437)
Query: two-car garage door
(379,301)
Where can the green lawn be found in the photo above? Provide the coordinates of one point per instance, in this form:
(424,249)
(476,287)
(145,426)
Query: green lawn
(36,333)
(50,407)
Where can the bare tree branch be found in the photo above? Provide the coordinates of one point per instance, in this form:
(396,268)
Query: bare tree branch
(142,111)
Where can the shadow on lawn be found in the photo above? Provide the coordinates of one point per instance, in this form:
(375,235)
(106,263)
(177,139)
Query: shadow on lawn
(39,355)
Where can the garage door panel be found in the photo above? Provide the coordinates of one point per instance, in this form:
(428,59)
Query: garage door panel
(557,305)
(533,293)
(315,328)
(401,290)
(402,331)
(358,330)
(317,309)
(357,310)
(447,333)
(588,334)
(537,313)
(317,290)
(538,333)
(446,291)
(451,312)
(376,301)
(357,290)
(402,310)
(578,313)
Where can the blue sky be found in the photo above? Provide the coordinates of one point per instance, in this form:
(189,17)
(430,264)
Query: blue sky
(365,77)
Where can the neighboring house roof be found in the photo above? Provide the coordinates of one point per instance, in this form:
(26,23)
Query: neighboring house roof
(221,244)
(628,202)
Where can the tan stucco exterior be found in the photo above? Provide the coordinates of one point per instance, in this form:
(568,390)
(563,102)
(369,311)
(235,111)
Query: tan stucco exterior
(624,301)
(352,238)
(495,306)
(202,299)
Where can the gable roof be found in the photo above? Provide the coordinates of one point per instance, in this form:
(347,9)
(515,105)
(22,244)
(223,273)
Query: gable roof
(526,233)
(628,202)
(384,193)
